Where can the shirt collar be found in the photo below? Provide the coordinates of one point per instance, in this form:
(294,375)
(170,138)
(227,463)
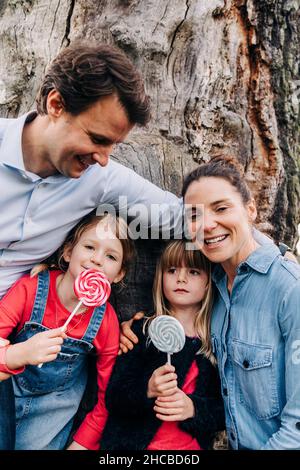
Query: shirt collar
(260,260)
(11,153)
(11,147)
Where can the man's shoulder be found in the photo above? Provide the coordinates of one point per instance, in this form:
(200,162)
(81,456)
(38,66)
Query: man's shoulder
(4,122)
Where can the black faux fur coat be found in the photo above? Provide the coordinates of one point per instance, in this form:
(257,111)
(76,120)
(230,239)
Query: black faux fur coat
(132,423)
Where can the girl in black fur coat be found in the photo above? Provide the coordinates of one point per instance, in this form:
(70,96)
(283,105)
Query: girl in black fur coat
(157,406)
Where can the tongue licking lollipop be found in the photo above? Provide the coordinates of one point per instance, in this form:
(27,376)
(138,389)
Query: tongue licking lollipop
(92,289)
(167,335)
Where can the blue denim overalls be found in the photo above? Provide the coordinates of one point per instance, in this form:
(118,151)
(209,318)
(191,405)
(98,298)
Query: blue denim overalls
(47,398)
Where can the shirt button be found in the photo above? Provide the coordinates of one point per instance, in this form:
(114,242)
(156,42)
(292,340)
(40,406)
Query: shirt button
(225,392)
(246,364)
(298,425)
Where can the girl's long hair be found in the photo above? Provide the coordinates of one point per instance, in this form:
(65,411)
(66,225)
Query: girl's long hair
(115,223)
(176,254)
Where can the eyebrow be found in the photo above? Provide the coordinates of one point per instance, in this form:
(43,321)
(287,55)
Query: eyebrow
(94,242)
(221,201)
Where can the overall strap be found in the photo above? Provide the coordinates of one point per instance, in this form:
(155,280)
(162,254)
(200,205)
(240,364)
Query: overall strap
(41,297)
(94,324)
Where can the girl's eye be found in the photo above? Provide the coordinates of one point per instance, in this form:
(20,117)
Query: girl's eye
(89,247)
(172,270)
(112,257)
(194,272)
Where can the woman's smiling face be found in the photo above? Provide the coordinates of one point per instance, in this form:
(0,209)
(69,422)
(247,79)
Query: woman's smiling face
(226,220)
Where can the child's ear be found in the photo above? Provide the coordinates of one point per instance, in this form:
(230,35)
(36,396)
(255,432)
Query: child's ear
(67,253)
(120,276)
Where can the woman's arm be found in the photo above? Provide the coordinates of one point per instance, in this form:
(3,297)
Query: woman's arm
(288,435)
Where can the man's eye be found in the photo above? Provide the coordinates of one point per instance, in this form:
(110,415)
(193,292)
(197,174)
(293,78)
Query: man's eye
(97,141)
(221,209)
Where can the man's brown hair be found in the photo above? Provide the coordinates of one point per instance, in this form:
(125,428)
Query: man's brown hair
(84,73)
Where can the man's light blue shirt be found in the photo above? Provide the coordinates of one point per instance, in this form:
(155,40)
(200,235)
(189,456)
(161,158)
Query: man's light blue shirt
(256,338)
(37,213)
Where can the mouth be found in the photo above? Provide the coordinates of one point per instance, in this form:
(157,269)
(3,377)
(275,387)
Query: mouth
(181,291)
(84,161)
(215,240)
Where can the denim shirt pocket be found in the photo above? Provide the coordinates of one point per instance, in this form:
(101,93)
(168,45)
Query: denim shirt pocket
(255,378)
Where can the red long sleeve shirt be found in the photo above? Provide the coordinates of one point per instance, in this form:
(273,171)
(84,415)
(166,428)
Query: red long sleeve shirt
(15,310)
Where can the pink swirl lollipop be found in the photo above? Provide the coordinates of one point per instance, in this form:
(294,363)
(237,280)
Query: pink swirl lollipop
(92,288)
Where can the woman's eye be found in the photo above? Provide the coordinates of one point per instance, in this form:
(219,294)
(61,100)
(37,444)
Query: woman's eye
(89,247)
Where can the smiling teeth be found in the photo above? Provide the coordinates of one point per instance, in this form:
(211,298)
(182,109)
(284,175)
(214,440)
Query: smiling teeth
(215,240)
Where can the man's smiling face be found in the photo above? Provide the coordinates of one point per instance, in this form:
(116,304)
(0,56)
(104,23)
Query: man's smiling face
(75,142)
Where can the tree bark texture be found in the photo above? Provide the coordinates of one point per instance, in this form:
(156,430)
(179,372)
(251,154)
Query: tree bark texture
(223,76)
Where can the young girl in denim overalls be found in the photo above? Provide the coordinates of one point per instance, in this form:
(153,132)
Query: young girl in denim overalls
(35,309)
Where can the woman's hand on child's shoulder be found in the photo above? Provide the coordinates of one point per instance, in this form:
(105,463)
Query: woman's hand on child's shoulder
(163,382)
(40,348)
(127,338)
(177,407)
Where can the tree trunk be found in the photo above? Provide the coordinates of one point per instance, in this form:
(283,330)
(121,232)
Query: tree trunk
(223,76)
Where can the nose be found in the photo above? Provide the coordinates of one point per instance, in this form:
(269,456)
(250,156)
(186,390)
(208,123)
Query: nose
(209,222)
(102,157)
(181,275)
(96,259)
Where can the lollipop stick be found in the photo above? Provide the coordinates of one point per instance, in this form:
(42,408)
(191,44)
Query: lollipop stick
(64,327)
(169,359)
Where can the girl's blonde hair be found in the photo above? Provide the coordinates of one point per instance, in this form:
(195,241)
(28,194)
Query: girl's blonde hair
(115,223)
(174,255)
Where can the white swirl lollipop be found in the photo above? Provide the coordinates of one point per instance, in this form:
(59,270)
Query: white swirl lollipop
(167,334)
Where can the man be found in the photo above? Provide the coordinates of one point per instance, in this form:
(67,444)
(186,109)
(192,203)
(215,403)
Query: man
(54,166)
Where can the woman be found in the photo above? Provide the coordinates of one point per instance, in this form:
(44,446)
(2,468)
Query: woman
(255,324)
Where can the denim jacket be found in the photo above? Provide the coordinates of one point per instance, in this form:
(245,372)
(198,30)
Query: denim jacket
(256,339)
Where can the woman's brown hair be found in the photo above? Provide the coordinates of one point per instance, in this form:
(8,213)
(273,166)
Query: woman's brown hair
(223,167)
